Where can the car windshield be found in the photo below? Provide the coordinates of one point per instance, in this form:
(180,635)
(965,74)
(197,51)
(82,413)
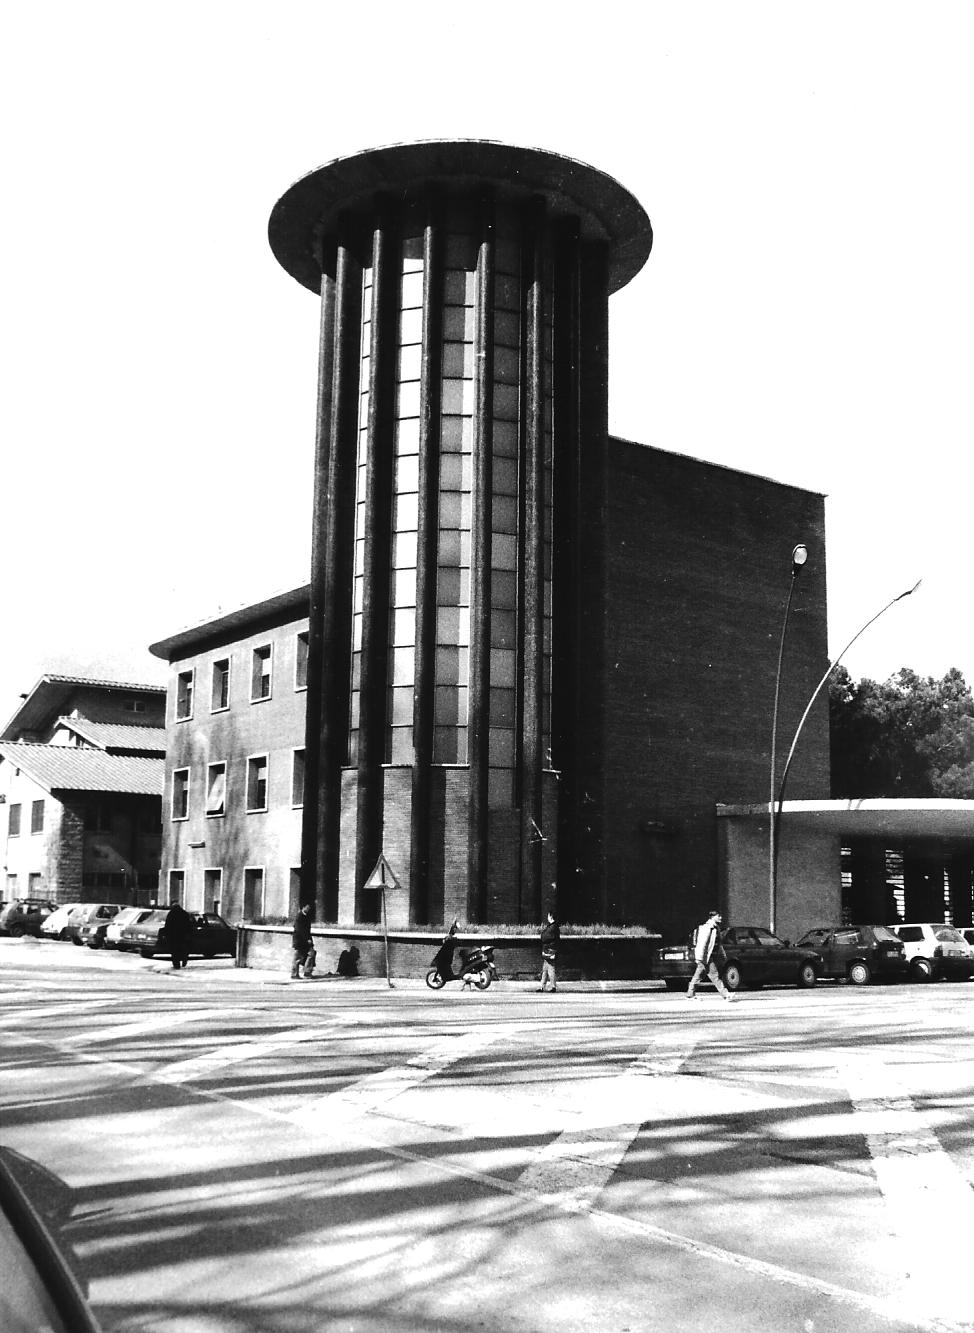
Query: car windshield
(766,939)
(948,935)
(814,937)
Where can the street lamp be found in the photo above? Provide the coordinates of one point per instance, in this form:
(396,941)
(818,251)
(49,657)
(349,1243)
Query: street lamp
(775,812)
(799,556)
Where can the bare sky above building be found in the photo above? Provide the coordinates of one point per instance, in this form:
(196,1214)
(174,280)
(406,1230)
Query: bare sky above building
(805,313)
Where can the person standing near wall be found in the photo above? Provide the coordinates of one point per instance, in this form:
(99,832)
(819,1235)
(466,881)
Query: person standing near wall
(705,939)
(300,940)
(550,935)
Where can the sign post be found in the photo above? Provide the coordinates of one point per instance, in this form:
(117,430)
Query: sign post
(383,878)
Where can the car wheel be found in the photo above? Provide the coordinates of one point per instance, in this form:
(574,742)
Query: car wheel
(859,974)
(732,977)
(63,936)
(921,969)
(75,940)
(676,983)
(806,975)
(146,953)
(17,931)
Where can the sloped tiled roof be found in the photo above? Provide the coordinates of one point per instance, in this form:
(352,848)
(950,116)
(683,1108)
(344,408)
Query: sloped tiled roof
(70,768)
(51,696)
(118,735)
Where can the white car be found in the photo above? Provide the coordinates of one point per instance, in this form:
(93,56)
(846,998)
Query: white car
(934,950)
(118,923)
(56,925)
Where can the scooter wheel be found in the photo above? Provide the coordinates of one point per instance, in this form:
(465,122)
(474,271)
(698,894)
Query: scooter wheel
(482,979)
(434,980)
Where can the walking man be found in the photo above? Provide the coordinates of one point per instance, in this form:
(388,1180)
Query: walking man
(705,939)
(300,940)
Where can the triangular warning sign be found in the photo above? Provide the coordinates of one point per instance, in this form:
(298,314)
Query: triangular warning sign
(382,876)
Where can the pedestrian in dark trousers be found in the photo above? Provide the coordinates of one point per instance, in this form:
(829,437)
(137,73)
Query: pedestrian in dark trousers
(179,928)
(705,940)
(301,945)
(550,935)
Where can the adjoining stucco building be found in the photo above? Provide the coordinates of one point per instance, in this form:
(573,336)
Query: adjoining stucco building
(82,763)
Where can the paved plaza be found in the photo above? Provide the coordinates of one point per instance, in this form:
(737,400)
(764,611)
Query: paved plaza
(228,1152)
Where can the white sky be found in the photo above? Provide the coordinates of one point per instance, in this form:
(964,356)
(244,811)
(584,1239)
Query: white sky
(807,312)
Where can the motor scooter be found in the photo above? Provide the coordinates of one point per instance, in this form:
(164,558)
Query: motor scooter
(476,966)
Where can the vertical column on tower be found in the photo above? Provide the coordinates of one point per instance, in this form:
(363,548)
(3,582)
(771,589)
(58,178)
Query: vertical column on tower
(531,756)
(591,504)
(480,555)
(331,573)
(427,524)
(376,531)
(567,703)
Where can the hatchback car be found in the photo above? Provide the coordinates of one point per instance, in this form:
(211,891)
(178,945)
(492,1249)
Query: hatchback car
(967,932)
(935,950)
(146,933)
(25,916)
(93,917)
(55,927)
(859,954)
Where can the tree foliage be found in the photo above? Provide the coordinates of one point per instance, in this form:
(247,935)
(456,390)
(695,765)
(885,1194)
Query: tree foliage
(910,736)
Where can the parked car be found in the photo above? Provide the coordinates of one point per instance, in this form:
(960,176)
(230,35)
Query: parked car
(967,932)
(56,925)
(111,938)
(25,916)
(748,956)
(935,950)
(91,914)
(858,953)
(146,933)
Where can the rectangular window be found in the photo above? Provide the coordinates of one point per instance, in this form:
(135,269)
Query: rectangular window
(216,790)
(260,678)
(35,883)
(220,689)
(212,889)
(37,817)
(134,705)
(297,778)
(13,821)
(253,904)
(180,793)
(301,661)
(257,782)
(11,887)
(177,885)
(184,695)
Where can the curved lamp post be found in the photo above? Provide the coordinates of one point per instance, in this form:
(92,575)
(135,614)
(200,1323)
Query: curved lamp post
(776,810)
(799,556)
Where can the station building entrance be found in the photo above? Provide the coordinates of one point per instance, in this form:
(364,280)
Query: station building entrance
(865,861)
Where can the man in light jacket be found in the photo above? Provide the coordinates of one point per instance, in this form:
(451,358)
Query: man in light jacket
(705,939)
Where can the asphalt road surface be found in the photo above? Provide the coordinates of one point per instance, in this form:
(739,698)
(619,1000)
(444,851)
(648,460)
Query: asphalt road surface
(220,1151)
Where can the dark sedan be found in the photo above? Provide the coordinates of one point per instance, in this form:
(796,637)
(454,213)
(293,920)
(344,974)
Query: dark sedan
(859,954)
(749,956)
(146,933)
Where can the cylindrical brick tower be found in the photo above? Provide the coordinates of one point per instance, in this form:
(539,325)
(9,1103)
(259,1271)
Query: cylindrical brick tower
(455,666)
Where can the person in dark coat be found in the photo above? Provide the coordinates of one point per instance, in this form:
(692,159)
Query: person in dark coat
(179,928)
(550,935)
(443,959)
(300,940)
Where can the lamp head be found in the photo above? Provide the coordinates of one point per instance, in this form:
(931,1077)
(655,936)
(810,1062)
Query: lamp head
(798,557)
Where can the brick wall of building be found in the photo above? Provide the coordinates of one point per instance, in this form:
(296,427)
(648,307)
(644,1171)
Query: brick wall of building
(699,567)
